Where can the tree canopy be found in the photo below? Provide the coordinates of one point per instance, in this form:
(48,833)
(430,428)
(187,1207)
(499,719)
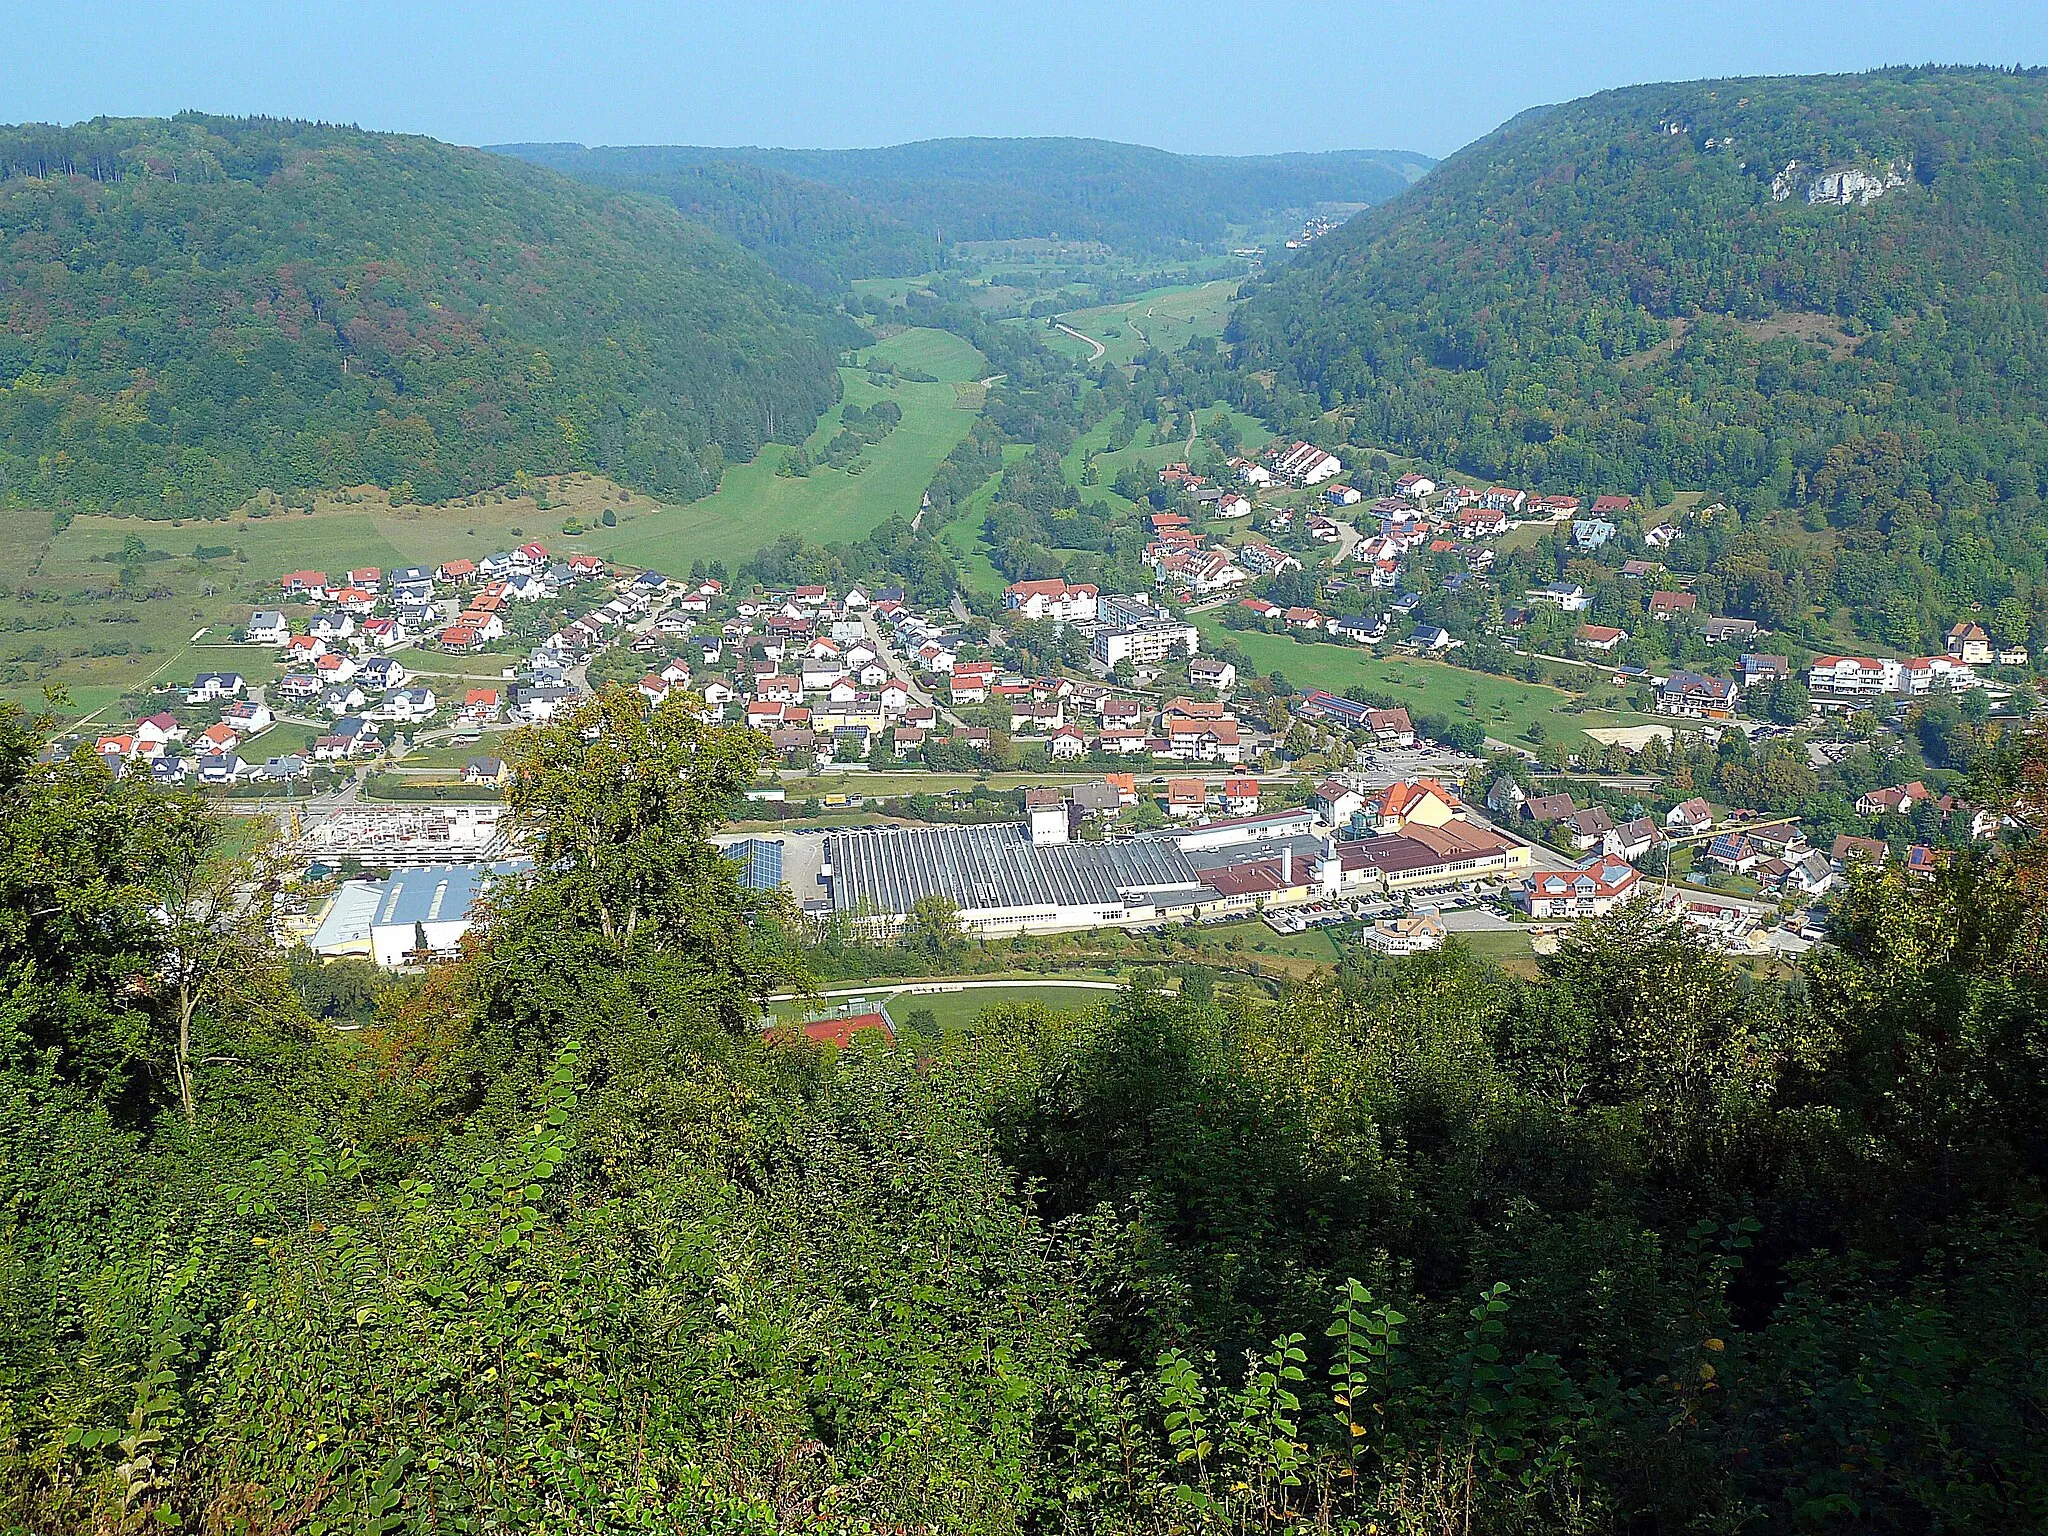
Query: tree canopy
(200,307)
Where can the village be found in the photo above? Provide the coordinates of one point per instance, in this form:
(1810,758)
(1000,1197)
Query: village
(1156,782)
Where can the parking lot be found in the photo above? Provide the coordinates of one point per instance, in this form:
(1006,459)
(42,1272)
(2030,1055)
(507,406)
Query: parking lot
(1479,910)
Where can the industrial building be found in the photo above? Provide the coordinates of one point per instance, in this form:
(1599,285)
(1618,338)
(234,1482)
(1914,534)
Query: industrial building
(1005,881)
(417,914)
(1029,878)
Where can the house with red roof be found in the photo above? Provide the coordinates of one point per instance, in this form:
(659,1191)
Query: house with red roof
(1240,796)
(1423,802)
(1594,889)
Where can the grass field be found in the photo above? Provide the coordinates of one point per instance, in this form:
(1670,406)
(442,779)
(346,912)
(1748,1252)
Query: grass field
(1510,947)
(1167,318)
(754,505)
(1248,938)
(1505,706)
(957,1011)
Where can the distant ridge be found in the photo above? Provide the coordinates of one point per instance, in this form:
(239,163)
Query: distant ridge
(898,202)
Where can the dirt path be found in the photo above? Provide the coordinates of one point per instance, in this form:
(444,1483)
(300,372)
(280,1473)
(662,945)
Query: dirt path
(1070,331)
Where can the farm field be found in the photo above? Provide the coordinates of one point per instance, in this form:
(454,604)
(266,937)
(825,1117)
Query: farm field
(754,505)
(1505,706)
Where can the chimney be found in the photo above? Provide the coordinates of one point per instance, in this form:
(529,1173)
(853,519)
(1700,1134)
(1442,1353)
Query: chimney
(1287,864)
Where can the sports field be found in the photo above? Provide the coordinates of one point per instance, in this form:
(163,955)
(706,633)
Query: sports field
(1505,706)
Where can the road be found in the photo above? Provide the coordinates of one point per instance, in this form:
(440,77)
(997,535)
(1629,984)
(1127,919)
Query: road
(1070,331)
(897,668)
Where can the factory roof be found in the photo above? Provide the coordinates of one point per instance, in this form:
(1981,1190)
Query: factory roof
(994,868)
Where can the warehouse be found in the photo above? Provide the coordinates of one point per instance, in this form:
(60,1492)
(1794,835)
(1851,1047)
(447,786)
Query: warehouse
(415,915)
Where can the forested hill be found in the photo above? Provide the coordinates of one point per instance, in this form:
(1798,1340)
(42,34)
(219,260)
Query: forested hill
(199,307)
(1130,197)
(808,232)
(1654,285)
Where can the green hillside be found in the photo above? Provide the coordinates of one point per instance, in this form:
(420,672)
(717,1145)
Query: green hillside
(808,232)
(1649,286)
(199,307)
(1134,198)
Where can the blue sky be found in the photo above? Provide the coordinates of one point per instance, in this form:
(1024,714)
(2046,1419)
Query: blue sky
(1195,76)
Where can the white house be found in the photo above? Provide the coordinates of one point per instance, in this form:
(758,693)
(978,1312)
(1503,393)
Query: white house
(210,687)
(408,706)
(1306,464)
(1853,674)
(267,627)
(1568,595)
(1050,599)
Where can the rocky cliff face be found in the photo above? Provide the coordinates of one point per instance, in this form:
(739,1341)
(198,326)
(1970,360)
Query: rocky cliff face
(1843,185)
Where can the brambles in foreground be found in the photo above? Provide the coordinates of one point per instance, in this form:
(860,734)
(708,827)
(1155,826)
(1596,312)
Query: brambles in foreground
(561,1236)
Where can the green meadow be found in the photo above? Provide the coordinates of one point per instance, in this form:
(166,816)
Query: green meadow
(755,505)
(1166,318)
(1505,706)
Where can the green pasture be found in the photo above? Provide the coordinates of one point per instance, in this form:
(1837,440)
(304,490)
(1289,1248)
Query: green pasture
(754,505)
(1505,706)
(1167,318)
